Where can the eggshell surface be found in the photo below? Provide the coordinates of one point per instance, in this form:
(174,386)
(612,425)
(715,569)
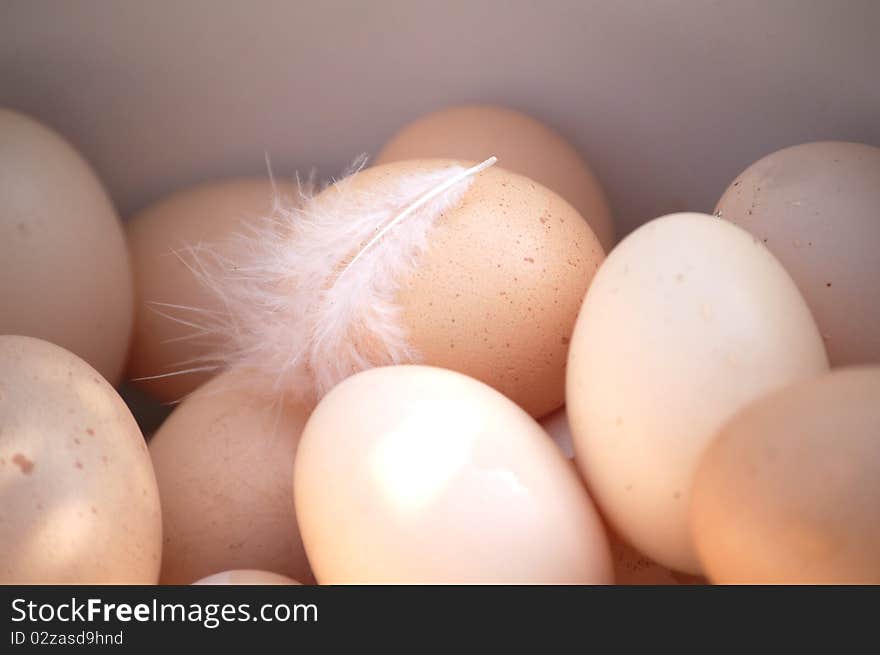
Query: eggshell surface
(223,462)
(789,492)
(64,268)
(78,498)
(689,319)
(521,143)
(174,242)
(246,577)
(413,474)
(816,207)
(496,293)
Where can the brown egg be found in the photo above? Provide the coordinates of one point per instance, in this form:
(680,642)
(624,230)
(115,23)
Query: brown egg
(414,474)
(521,143)
(497,292)
(173,314)
(78,498)
(64,268)
(789,492)
(223,460)
(816,207)
(246,577)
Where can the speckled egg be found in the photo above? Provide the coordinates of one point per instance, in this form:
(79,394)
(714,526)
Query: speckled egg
(522,144)
(496,293)
(816,207)
(224,461)
(78,499)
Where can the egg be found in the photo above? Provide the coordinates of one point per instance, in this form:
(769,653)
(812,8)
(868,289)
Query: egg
(688,320)
(246,577)
(223,461)
(64,268)
(171,242)
(522,144)
(414,474)
(630,566)
(78,498)
(816,206)
(789,491)
(496,294)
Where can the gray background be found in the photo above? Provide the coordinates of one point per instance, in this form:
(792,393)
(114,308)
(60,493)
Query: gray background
(668,100)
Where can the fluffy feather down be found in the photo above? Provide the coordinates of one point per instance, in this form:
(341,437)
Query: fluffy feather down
(295,314)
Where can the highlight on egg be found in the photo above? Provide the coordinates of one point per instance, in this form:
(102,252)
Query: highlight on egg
(686,321)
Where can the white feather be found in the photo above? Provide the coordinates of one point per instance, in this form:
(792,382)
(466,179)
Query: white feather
(310,297)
